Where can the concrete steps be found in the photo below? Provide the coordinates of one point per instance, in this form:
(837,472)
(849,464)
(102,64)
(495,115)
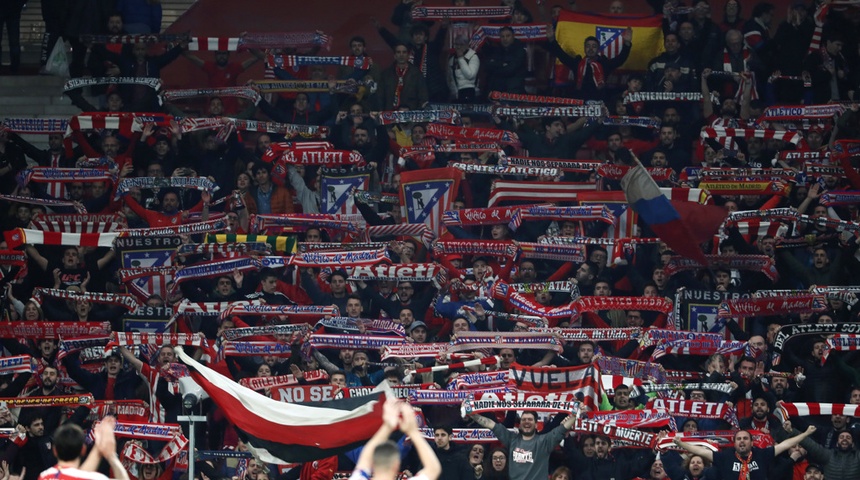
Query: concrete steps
(38,96)
(32,27)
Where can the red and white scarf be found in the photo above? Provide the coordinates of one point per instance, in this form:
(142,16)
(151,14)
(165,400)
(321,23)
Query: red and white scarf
(21,236)
(721,132)
(787,410)
(526,98)
(260,383)
(470,135)
(597,74)
(213,44)
(459,13)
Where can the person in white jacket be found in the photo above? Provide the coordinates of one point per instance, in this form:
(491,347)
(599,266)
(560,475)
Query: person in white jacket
(463,68)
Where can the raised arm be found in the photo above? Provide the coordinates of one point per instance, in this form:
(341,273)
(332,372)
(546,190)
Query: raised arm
(36,257)
(707,105)
(790,442)
(482,421)
(390,418)
(131,359)
(409,426)
(695,449)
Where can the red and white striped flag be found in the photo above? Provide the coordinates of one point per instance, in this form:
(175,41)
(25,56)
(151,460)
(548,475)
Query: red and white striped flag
(528,191)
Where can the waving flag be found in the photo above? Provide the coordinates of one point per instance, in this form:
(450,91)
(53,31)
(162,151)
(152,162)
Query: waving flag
(625,217)
(683,225)
(336,187)
(426,194)
(280,433)
(573,28)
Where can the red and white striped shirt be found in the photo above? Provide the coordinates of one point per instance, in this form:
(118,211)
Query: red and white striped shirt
(152,376)
(69,473)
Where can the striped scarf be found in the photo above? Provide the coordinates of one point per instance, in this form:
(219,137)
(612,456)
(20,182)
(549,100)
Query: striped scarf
(213,44)
(593,334)
(413,350)
(19,236)
(296,40)
(722,132)
(283,244)
(374,342)
(79,223)
(469,134)
(76,83)
(232,348)
(496,248)
(637,97)
(348,223)
(522,340)
(575,166)
(281,61)
(224,249)
(310,86)
(16,364)
(125,123)
(172,95)
(63,175)
(130,39)
(527,33)
(418,116)
(586,213)
(35,126)
(242,332)
(313,312)
(117,299)
(526,98)
(561,253)
(52,329)
(787,410)
(567,111)
(459,13)
(196,183)
(187,229)
(506,170)
(260,383)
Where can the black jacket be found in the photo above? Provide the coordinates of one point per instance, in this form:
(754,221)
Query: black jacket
(96,383)
(506,68)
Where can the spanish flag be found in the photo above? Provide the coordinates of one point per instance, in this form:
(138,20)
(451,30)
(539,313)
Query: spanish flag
(573,28)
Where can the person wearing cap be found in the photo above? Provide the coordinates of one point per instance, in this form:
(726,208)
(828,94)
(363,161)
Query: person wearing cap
(418,331)
(813,472)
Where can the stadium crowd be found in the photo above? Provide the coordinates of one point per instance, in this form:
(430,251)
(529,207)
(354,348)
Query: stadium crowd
(273,229)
